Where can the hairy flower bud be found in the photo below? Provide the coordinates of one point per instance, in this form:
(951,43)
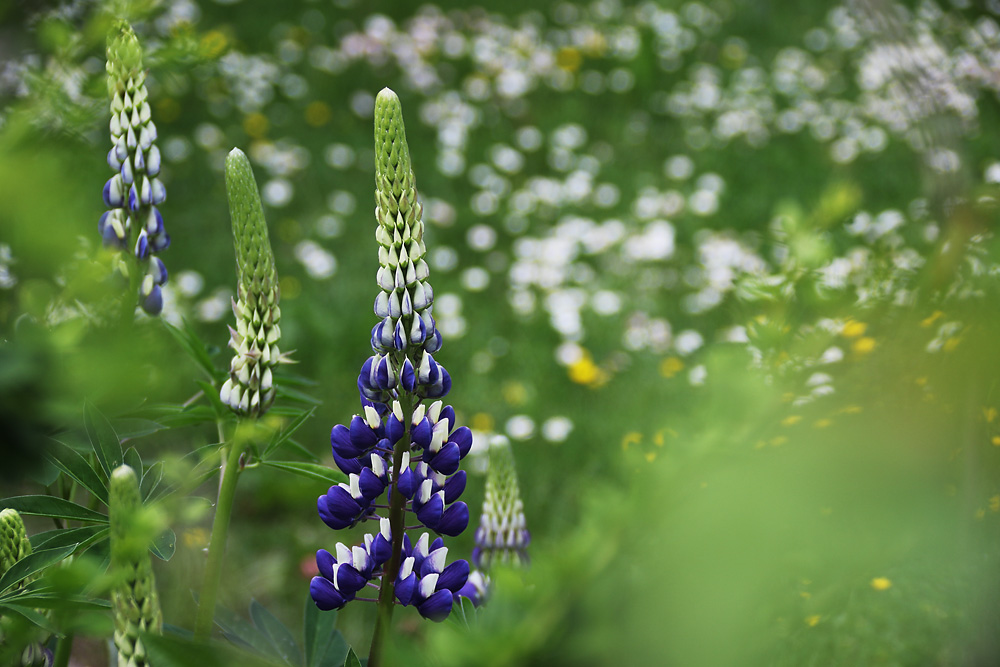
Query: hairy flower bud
(501,536)
(14,544)
(134,601)
(250,387)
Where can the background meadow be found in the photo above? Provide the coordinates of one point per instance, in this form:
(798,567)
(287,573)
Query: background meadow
(724,274)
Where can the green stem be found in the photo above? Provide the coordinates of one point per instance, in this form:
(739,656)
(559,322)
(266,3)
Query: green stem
(217,545)
(63,650)
(129,300)
(397,508)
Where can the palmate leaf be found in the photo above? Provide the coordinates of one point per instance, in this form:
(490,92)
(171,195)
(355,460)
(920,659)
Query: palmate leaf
(284,434)
(172,650)
(50,506)
(277,634)
(324,645)
(193,345)
(32,564)
(103,438)
(76,467)
(30,615)
(164,546)
(309,470)
(83,537)
(151,479)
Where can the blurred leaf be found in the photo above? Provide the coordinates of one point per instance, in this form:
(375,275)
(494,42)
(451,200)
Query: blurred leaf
(133,460)
(175,416)
(32,563)
(279,636)
(133,427)
(318,634)
(352,659)
(151,480)
(56,600)
(194,347)
(51,506)
(30,615)
(296,395)
(239,631)
(77,467)
(296,447)
(310,470)
(103,438)
(45,474)
(51,539)
(175,651)
(282,436)
(164,546)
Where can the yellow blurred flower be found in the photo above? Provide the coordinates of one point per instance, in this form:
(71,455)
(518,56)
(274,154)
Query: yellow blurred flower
(255,124)
(853,329)
(822,423)
(813,621)
(995,440)
(631,438)
(932,319)
(584,371)
(864,345)
(196,538)
(881,584)
(995,503)
(791,420)
(569,59)
(671,366)
(482,422)
(213,44)
(317,113)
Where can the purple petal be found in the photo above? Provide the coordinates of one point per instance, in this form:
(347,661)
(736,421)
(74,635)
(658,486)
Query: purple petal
(454,487)
(406,588)
(454,576)
(325,562)
(463,438)
(454,520)
(325,595)
(447,459)
(330,519)
(437,606)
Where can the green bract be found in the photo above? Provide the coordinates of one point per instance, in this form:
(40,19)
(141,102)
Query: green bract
(14,544)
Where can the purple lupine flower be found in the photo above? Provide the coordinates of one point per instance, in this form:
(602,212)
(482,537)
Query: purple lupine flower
(405,444)
(133,222)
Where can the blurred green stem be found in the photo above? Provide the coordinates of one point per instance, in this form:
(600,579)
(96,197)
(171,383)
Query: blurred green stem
(217,546)
(397,509)
(128,300)
(63,650)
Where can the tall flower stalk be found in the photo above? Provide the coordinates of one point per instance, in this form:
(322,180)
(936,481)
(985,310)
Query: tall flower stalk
(134,600)
(249,390)
(404,443)
(133,222)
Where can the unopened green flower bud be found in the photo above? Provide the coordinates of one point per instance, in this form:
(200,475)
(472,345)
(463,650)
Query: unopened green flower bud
(134,600)
(14,544)
(502,536)
(250,387)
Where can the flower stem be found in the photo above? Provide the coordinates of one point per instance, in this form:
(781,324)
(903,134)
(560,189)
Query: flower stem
(397,506)
(63,650)
(217,545)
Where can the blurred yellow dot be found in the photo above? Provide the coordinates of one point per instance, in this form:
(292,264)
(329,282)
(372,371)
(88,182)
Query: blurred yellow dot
(791,420)
(255,124)
(291,287)
(980,513)
(989,414)
(864,345)
(631,438)
(514,393)
(760,444)
(650,456)
(671,366)
(995,440)
(658,439)
(932,319)
(951,344)
(852,409)
(822,423)
(213,44)
(881,584)
(787,397)
(167,110)
(921,381)
(584,370)
(317,113)
(482,422)
(196,538)
(995,503)
(569,59)
(289,230)
(853,329)
(778,441)
(813,621)
(805,595)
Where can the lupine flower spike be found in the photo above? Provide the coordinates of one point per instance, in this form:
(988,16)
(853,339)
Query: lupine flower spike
(133,222)
(501,537)
(135,604)
(14,544)
(250,387)
(404,443)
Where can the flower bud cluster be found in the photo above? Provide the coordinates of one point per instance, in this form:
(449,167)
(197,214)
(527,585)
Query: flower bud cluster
(134,600)
(249,390)
(133,222)
(14,543)
(501,536)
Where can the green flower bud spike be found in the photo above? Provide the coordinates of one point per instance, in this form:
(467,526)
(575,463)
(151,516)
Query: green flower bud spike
(134,601)
(249,391)
(14,544)
(502,536)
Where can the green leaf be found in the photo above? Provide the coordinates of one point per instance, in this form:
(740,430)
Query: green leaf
(176,651)
(30,615)
(51,539)
(325,646)
(309,470)
(32,563)
(283,391)
(164,546)
(133,460)
(55,600)
(212,394)
(77,467)
(51,506)
(134,427)
(285,433)
(279,636)
(352,659)
(103,438)
(194,347)
(240,631)
(151,480)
